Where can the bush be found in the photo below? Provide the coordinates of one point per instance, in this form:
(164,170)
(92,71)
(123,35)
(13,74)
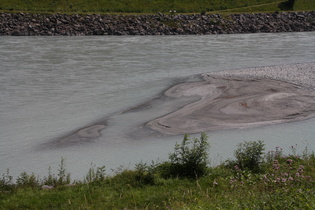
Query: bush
(135,178)
(249,155)
(189,159)
(63,177)
(6,183)
(287,5)
(95,175)
(144,175)
(27,180)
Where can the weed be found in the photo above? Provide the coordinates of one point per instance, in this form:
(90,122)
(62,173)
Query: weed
(144,175)
(27,180)
(249,155)
(273,155)
(63,177)
(95,175)
(6,181)
(190,158)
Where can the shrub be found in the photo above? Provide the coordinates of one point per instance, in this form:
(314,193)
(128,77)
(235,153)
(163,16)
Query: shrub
(287,5)
(27,180)
(63,177)
(249,155)
(95,175)
(134,178)
(143,174)
(189,159)
(6,183)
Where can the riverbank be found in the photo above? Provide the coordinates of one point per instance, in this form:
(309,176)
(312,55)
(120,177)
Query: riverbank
(270,180)
(24,24)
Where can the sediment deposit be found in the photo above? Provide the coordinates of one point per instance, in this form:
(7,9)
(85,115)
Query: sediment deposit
(242,99)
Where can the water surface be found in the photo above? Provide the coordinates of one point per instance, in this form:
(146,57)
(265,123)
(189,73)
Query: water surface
(52,86)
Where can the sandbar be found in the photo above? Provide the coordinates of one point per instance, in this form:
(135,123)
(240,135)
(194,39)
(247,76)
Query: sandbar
(242,99)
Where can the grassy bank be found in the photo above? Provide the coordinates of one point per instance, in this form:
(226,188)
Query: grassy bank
(147,6)
(304,5)
(253,180)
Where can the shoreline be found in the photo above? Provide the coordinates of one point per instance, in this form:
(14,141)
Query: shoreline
(28,24)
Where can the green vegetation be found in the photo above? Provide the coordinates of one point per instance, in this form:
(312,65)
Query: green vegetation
(304,5)
(257,180)
(152,6)
(268,7)
(189,158)
(287,5)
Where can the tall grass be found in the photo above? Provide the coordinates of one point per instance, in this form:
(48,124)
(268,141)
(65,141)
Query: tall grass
(134,6)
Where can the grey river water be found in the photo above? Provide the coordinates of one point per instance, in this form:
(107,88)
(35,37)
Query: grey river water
(53,86)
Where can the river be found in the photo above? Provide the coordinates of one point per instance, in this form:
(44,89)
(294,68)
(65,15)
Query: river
(53,86)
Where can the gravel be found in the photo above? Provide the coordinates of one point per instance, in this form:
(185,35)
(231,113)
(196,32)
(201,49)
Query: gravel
(302,74)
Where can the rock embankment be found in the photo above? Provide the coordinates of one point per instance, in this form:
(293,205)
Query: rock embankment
(24,24)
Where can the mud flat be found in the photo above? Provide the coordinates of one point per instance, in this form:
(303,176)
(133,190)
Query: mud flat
(242,99)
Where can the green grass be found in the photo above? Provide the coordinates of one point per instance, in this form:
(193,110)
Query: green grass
(282,182)
(304,5)
(268,7)
(213,191)
(145,6)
